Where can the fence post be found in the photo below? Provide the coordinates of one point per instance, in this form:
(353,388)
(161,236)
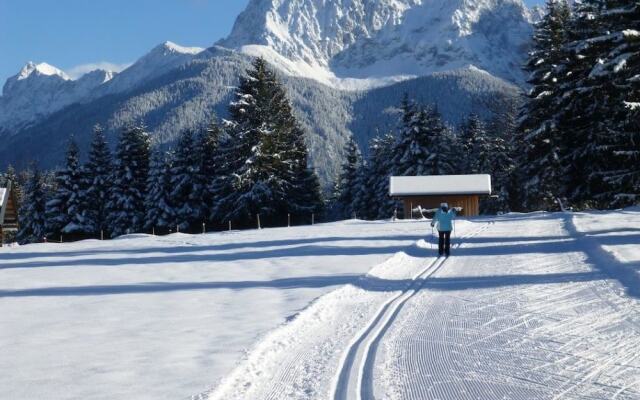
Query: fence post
(259,226)
(229,225)
(289,220)
(177,228)
(313,218)
(101,234)
(204,228)
(411,205)
(61,238)
(153,230)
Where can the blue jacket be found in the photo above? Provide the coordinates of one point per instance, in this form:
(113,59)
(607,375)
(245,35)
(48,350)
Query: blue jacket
(444,220)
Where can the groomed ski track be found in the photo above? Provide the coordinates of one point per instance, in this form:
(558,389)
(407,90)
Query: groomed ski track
(355,380)
(527,307)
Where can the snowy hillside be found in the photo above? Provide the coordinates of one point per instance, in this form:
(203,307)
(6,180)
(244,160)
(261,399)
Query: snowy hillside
(188,96)
(529,306)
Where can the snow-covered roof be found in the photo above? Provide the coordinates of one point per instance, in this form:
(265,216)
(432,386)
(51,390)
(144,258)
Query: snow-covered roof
(434,185)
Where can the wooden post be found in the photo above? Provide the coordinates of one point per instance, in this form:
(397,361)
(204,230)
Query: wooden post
(204,228)
(177,228)
(101,234)
(411,207)
(289,220)
(259,226)
(313,218)
(61,238)
(153,231)
(229,225)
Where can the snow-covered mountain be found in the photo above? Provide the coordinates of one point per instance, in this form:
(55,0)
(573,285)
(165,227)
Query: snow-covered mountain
(345,64)
(158,61)
(337,41)
(39,90)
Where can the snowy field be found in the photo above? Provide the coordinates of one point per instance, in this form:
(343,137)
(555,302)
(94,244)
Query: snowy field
(537,306)
(167,317)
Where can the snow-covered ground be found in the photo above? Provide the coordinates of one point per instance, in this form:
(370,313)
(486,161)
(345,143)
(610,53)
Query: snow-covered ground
(537,306)
(166,317)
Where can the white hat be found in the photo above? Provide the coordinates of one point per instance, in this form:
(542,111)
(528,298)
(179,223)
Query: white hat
(444,205)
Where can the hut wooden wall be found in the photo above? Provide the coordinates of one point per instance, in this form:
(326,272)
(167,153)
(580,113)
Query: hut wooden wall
(470,203)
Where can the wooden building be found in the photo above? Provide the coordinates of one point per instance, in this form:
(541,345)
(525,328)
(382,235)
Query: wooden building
(428,192)
(8,211)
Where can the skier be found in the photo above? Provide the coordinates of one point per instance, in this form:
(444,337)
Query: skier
(444,218)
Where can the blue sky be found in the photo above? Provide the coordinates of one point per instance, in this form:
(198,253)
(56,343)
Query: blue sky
(75,35)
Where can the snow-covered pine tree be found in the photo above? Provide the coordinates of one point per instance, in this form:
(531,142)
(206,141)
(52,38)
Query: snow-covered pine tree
(126,211)
(254,138)
(64,209)
(304,195)
(362,196)
(412,148)
(441,143)
(502,131)
(541,171)
(592,112)
(98,171)
(613,83)
(159,213)
(222,187)
(208,151)
(346,186)
(267,154)
(32,210)
(471,136)
(381,165)
(186,192)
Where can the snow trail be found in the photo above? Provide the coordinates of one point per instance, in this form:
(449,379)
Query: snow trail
(535,320)
(355,379)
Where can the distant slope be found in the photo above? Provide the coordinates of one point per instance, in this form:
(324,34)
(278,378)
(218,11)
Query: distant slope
(190,95)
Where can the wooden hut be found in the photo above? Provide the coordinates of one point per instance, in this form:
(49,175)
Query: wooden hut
(8,211)
(428,192)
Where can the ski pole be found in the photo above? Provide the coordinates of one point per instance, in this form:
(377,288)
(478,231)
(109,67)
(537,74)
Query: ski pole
(433,238)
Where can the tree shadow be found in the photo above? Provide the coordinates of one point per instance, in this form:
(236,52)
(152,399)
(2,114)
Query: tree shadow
(186,256)
(626,273)
(367,282)
(184,249)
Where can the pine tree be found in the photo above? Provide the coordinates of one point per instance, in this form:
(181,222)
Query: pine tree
(63,210)
(265,156)
(208,151)
(440,145)
(303,189)
(542,170)
(346,186)
(592,109)
(186,192)
(381,171)
(502,129)
(126,211)
(159,213)
(412,148)
(32,210)
(98,171)
(472,137)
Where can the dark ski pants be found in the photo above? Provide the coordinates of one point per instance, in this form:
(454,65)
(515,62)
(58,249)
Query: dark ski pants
(444,244)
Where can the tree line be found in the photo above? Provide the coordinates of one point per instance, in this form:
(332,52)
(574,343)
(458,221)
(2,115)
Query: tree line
(580,126)
(424,144)
(254,163)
